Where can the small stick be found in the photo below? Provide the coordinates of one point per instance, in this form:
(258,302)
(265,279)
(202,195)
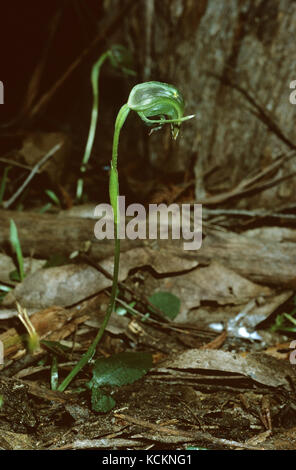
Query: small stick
(33,172)
(181,433)
(249,213)
(13,163)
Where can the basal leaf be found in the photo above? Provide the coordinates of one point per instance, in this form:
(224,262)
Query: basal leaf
(100,402)
(168,303)
(121,369)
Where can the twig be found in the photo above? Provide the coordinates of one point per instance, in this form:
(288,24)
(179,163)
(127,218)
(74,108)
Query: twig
(13,163)
(39,391)
(180,433)
(33,172)
(103,443)
(259,111)
(154,427)
(248,213)
(248,186)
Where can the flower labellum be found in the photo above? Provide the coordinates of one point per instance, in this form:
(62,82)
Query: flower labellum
(157,99)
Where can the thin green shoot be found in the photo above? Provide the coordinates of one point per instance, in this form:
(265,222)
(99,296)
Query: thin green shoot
(120,58)
(4,182)
(283,320)
(52,195)
(45,208)
(16,246)
(3,291)
(4,288)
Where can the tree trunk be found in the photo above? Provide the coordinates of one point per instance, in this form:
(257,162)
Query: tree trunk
(233,62)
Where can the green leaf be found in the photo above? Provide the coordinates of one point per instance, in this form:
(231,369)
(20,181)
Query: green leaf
(100,402)
(53,197)
(15,243)
(45,208)
(168,303)
(3,182)
(121,369)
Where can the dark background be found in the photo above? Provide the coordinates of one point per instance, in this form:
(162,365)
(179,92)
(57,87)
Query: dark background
(232,60)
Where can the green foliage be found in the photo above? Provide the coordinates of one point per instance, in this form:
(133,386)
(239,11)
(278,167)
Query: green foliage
(120,369)
(284,320)
(16,246)
(119,58)
(100,402)
(45,208)
(33,342)
(168,303)
(52,195)
(3,291)
(3,182)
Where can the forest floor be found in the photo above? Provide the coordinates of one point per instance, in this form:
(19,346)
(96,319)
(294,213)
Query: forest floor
(220,344)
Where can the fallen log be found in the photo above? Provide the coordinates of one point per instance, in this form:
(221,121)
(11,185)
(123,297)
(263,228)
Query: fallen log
(259,260)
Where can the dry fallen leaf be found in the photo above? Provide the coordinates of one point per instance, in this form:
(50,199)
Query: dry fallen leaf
(7,266)
(214,283)
(69,284)
(258,366)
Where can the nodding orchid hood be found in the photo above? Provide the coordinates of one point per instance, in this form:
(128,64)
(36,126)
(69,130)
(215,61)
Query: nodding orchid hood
(151,99)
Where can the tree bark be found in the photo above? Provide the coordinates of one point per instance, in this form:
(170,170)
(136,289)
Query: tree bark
(233,62)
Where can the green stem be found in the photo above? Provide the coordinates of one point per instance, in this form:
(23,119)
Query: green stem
(3,182)
(93,122)
(120,120)
(114,192)
(92,349)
